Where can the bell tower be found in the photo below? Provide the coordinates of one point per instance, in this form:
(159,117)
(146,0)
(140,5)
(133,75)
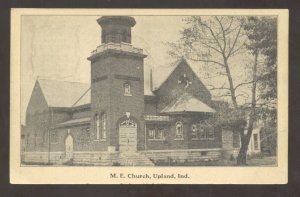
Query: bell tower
(117,87)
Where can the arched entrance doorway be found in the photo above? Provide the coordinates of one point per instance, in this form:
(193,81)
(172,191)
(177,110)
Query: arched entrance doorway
(69,146)
(128,135)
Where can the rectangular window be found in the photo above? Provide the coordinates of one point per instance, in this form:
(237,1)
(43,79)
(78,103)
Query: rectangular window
(236,139)
(255,141)
(156,133)
(151,133)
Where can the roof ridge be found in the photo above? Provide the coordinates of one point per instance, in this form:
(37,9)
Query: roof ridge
(58,80)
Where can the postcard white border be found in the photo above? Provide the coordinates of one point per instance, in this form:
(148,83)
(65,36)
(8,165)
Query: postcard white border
(101,175)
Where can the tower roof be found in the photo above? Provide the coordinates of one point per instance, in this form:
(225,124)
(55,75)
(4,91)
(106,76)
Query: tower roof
(116,19)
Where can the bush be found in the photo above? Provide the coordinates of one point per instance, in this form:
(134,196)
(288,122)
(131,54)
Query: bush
(116,164)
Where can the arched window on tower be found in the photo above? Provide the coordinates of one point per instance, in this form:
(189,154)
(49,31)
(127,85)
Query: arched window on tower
(127,91)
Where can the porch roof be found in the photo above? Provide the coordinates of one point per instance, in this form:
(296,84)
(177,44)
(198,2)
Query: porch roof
(73,122)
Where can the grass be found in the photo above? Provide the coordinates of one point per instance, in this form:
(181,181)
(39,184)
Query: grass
(263,161)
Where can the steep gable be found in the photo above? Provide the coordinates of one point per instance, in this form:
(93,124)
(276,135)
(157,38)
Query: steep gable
(37,102)
(171,89)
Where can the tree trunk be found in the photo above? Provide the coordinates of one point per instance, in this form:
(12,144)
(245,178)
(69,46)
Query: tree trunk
(230,81)
(245,139)
(242,157)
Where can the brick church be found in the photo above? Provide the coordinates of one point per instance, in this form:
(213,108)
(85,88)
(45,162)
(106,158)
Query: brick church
(121,118)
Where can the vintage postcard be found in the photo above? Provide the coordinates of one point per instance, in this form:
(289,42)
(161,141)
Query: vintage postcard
(143,96)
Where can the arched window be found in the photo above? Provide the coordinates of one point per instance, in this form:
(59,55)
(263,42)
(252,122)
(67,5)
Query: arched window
(97,126)
(194,131)
(103,126)
(179,130)
(127,89)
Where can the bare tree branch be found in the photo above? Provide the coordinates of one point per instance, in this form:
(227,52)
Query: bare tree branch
(235,40)
(203,60)
(241,84)
(212,33)
(223,33)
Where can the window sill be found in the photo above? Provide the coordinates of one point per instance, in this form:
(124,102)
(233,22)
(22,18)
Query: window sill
(178,139)
(127,94)
(156,140)
(204,139)
(100,140)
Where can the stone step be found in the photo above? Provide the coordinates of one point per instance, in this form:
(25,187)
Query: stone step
(135,159)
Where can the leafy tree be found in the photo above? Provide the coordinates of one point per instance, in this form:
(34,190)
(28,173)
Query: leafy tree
(223,43)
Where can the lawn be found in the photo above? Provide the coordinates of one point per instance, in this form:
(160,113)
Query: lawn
(263,161)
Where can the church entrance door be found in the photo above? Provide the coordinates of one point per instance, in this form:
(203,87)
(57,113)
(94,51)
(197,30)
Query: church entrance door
(128,135)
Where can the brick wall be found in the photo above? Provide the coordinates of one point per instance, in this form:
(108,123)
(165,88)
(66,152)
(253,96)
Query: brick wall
(150,108)
(170,142)
(82,113)
(107,93)
(81,141)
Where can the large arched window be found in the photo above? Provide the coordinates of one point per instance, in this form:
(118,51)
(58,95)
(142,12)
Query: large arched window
(179,130)
(103,126)
(97,119)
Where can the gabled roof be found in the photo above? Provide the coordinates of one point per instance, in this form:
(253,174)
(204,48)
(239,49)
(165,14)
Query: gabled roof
(161,74)
(73,94)
(62,93)
(187,103)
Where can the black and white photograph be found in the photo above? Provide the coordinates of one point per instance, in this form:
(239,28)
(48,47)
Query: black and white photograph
(151,91)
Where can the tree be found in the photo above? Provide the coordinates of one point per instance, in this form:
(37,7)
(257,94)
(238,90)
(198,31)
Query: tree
(261,33)
(216,41)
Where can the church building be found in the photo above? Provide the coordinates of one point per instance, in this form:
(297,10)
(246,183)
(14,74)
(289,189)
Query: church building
(121,119)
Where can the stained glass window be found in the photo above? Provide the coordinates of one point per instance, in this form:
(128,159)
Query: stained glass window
(179,130)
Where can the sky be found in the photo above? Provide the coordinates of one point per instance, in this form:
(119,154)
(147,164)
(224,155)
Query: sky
(57,47)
